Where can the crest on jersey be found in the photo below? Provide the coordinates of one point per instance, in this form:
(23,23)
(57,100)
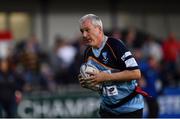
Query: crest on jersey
(105,59)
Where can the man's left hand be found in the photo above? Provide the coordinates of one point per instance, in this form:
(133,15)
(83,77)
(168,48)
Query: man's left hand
(97,78)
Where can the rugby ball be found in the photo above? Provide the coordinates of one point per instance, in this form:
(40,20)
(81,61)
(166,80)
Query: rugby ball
(87,68)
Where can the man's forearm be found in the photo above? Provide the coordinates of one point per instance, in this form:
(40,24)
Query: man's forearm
(126,75)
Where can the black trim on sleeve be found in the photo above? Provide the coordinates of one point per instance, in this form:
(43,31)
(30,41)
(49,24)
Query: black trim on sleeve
(132,68)
(128,57)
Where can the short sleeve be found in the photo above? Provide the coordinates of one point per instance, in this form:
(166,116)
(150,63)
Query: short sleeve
(125,56)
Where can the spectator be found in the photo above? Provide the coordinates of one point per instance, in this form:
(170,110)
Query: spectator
(152,48)
(116,34)
(62,59)
(48,76)
(10,88)
(170,53)
(150,76)
(130,38)
(170,49)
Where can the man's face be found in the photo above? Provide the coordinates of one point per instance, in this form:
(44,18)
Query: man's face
(90,33)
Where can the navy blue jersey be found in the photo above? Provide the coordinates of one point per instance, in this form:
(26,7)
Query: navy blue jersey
(114,56)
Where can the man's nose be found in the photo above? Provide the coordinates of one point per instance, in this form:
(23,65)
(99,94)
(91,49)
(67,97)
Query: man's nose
(84,34)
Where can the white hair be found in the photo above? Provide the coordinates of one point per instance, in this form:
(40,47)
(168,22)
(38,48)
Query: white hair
(96,21)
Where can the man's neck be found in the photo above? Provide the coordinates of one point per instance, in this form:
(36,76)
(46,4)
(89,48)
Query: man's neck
(100,42)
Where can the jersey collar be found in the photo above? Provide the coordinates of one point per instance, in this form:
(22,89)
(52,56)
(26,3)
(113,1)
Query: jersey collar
(97,51)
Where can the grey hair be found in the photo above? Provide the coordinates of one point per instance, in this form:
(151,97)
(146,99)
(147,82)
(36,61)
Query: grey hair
(96,21)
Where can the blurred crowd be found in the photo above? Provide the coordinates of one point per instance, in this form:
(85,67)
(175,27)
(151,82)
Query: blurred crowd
(46,69)
(28,67)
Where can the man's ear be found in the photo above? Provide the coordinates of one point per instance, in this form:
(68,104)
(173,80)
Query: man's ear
(100,29)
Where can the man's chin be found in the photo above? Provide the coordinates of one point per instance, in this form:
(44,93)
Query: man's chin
(87,43)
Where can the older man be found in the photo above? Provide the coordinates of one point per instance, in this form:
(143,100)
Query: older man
(118,71)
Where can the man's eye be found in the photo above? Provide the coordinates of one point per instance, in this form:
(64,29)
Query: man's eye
(81,31)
